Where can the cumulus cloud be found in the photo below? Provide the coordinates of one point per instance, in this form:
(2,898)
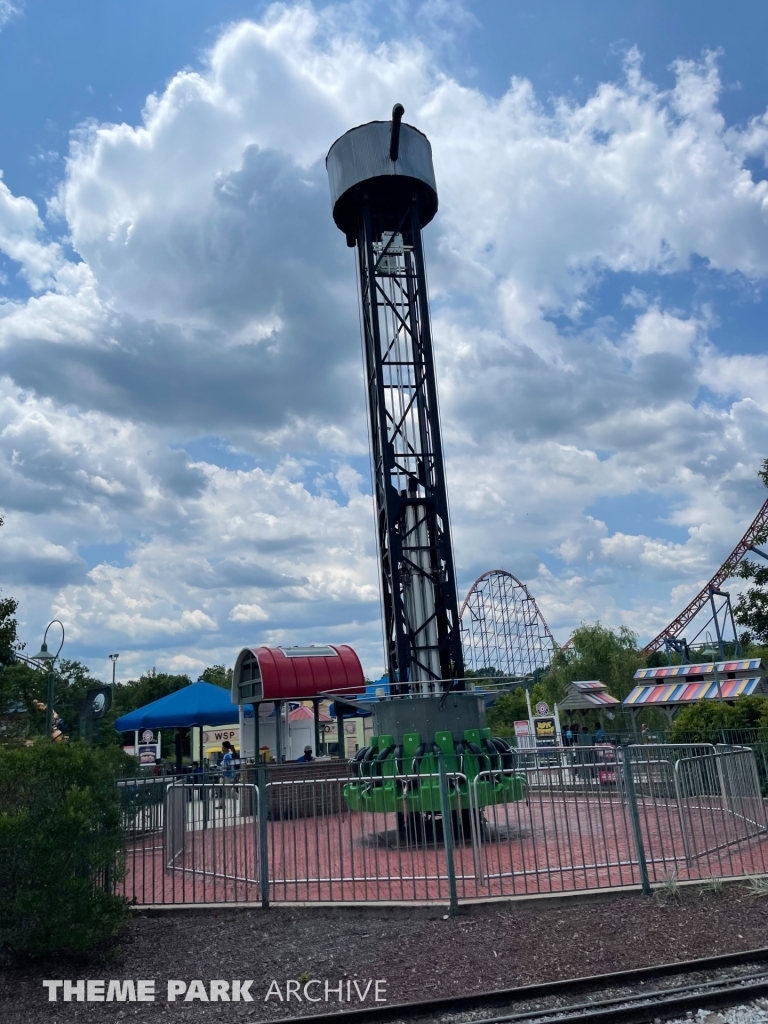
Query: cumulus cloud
(20,230)
(211,296)
(248,613)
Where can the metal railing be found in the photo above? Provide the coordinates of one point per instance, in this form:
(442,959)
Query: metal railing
(719,801)
(553,820)
(207,850)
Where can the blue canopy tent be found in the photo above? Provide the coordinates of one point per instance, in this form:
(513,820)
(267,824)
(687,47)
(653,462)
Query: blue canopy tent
(198,704)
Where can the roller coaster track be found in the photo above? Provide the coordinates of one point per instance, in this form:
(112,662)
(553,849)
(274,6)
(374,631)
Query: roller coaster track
(758,526)
(502,627)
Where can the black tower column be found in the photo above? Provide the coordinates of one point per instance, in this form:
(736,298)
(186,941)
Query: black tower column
(418,581)
(383,193)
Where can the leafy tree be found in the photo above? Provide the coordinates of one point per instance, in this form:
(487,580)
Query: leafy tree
(486,672)
(597,652)
(9,640)
(136,693)
(752,607)
(218,675)
(507,709)
(148,687)
(23,691)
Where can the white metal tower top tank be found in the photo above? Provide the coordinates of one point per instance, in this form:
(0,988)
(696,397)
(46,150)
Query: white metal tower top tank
(387,162)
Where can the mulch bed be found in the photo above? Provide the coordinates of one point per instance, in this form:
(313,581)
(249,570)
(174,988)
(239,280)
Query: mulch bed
(419,952)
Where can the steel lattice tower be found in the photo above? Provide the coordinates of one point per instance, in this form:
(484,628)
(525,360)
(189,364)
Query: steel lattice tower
(383,192)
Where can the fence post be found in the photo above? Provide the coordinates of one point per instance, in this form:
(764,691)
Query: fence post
(445,810)
(629,786)
(263,843)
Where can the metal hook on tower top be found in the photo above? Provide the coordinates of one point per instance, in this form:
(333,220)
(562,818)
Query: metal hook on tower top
(394,140)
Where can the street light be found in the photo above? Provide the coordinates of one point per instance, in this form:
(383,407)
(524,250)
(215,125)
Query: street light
(113,658)
(46,657)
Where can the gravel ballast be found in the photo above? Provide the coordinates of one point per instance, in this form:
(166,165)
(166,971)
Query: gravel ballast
(418,952)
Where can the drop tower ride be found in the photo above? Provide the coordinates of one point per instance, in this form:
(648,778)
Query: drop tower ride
(383,192)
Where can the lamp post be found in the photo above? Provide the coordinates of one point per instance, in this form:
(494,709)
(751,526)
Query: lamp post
(45,656)
(113,658)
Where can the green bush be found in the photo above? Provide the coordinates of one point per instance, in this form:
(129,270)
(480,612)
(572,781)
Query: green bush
(61,847)
(705,721)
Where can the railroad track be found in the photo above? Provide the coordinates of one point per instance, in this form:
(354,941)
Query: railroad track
(637,996)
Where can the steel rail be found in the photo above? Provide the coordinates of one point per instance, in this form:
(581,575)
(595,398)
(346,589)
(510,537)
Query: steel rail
(518,583)
(531,634)
(642,1007)
(754,531)
(433,1008)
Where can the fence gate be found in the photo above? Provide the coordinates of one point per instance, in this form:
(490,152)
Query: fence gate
(174,824)
(210,847)
(719,799)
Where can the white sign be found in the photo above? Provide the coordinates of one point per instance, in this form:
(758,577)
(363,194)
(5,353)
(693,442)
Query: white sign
(523,734)
(542,708)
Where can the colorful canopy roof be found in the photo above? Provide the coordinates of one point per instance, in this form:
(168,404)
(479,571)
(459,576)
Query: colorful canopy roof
(584,694)
(747,666)
(687,691)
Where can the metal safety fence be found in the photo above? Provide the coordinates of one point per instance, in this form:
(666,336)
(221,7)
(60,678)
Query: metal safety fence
(537,821)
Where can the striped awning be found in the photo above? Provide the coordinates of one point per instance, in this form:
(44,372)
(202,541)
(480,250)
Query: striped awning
(745,667)
(688,691)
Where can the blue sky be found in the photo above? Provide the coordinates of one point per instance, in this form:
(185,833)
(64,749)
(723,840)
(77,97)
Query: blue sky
(183,450)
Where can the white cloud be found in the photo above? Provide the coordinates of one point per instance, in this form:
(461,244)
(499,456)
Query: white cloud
(20,227)
(248,613)
(182,663)
(660,331)
(7,11)
(214,298)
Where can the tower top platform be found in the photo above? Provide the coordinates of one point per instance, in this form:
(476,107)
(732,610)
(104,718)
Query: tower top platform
(360,168)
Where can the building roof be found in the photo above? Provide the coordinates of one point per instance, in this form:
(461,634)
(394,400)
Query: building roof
(686,691)
(585,694)
(301,714)
(299,673)
(745,667)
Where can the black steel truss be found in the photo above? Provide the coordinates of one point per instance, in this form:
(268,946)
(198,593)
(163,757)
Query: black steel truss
(421,619)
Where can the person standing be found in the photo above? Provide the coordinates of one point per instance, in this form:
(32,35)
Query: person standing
(227,762)
(307,756)
(227,766)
